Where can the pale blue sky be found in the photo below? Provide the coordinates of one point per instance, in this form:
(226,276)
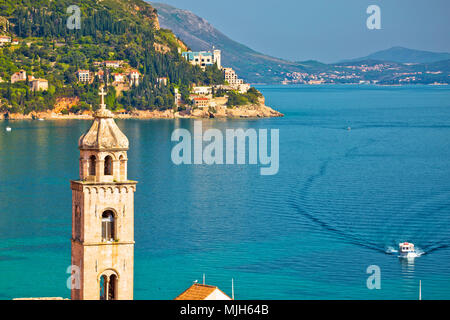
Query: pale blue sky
(326,30)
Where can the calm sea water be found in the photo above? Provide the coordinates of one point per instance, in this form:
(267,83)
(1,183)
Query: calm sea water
(340,202)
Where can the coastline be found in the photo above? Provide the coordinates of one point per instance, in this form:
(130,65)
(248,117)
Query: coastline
(220,112)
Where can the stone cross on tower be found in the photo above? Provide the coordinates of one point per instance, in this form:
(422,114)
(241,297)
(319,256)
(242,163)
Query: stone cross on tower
(102,93)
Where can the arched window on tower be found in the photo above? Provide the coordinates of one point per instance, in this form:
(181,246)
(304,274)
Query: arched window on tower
(112,284)
(92,162)
(108,226)
(108,166)
(108,286)
(103,288)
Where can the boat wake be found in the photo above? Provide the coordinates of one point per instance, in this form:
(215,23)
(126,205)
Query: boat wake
(317,210)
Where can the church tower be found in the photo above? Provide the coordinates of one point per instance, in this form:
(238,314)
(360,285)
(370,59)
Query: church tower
(103,214)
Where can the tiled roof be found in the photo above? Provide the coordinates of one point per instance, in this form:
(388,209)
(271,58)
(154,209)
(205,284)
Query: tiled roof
(197,292)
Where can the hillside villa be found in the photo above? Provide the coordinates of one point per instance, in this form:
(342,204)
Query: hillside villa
(19,76)
(204,58)
(84,75)
(39,85)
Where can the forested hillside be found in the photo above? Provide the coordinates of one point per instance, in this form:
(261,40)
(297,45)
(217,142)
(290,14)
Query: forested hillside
(110,30)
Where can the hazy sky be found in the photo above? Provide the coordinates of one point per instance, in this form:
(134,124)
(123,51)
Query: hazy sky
(326,30)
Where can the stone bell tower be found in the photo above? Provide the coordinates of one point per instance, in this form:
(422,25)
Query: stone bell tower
(103,214)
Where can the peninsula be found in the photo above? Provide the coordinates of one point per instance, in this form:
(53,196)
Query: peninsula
(54,60)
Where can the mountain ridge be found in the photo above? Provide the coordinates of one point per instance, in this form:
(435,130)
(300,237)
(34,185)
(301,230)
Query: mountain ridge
(404,55)
(200,35)
(256,67)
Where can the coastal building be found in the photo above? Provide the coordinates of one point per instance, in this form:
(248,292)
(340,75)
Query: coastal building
(15,41)
(100,74)
(201,102)
(113,64)
(84,76)
(218,58)
(243,87)
(119,77)
(231,77)
(4,40)
(177,95)
(233,80)
(103,214)
(202,90)
(204,58)
(134,77)
(39,85)
(162,81)
(19,76)
(203,292)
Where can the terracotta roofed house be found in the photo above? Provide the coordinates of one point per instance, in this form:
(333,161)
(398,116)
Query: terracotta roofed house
(201,102)
(203,292)
(19,76)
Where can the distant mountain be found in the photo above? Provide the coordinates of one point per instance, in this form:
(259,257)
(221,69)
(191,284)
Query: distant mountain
(405,55)
(383,67)
(200,35)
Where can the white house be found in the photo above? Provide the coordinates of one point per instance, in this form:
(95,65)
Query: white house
(4,40)
(84,75)
(204,58)
(113,64)
(39,85)
(19,76)
(202,90)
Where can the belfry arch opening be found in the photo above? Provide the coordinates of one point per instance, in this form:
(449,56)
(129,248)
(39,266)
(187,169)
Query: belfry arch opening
(108,287)
(92,163)
(108,166)
(108,226)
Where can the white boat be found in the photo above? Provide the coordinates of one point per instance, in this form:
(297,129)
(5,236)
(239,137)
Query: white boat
(8,129)
(407,250)
(40,119)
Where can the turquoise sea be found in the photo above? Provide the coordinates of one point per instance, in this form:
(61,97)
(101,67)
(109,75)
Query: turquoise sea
(341,201)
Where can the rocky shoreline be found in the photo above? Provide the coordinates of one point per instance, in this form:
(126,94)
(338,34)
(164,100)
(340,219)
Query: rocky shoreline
(219,112)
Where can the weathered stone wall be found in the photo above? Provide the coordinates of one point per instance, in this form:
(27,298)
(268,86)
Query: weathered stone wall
(93,256)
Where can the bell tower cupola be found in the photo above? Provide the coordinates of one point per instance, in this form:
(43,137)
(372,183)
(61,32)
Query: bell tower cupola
(103,149)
